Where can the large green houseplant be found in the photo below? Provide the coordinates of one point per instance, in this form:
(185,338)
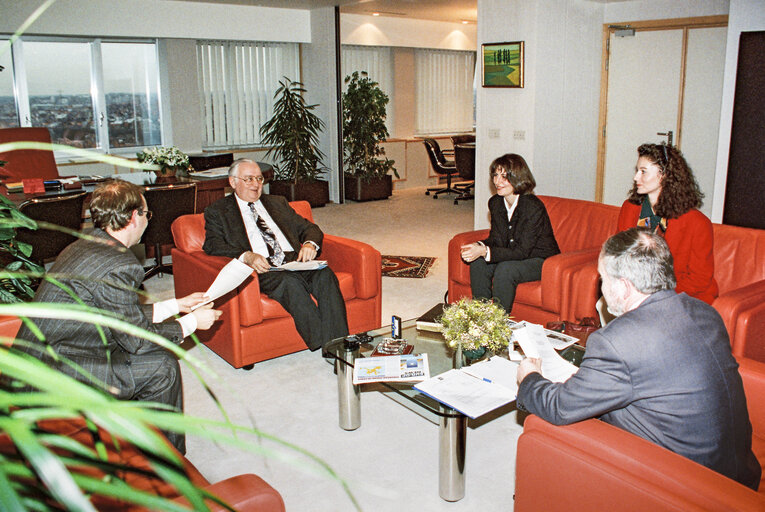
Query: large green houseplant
(367,169)
(293,136)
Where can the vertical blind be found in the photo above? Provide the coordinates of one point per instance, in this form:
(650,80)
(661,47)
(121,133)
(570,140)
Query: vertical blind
(443,91)
(237,81)
(377,61)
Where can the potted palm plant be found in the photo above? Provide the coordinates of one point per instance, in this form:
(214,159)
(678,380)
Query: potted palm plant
(293,136)
(367,169)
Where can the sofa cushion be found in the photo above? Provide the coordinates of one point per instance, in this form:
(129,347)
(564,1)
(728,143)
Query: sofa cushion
(579,224)
(739,255)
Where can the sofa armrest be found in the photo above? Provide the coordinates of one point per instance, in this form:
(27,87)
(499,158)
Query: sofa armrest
(591,465)
(557,279)
(732,305)
(356,258)
(9,327)
(245,493)
(753,375)
(459,271)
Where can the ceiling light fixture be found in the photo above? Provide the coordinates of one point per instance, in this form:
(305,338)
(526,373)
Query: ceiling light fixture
(375,14)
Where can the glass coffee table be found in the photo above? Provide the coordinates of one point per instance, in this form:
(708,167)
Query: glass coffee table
(452,424)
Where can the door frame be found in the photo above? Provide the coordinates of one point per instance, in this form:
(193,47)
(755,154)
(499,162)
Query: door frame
(685,24)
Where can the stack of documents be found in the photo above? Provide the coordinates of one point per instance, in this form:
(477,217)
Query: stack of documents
(535,343)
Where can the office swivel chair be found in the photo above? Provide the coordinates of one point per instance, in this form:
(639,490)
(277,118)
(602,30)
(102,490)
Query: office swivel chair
(462,139)
(27,163)
(166,203)
(464,156)
(62,210)
(441,166)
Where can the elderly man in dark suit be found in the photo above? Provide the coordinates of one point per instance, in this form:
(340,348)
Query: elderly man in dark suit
(263,232)
(102,273)
(663,369)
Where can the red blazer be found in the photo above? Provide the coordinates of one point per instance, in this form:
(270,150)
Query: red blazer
(689,238)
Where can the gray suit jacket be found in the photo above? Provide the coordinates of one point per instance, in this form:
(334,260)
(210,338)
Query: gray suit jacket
(102,276)
(663,371)
(225,234)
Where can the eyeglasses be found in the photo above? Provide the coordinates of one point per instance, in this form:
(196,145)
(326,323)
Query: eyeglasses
(145,212)
(250,179)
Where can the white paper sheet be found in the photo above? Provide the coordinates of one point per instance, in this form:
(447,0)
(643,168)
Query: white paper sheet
(496,370)
(534,342)
(470,395)
(294,266)
(229,277)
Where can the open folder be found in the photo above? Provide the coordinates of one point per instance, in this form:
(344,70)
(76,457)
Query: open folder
(476,389)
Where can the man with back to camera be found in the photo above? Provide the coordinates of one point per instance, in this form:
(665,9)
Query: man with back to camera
(263,231)
(662,370)
(104,274)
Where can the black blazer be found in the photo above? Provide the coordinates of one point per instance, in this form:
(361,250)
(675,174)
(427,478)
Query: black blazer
(225,234)
(529,235)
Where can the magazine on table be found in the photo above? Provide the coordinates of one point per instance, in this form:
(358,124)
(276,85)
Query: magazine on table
(400,368)
(476,389)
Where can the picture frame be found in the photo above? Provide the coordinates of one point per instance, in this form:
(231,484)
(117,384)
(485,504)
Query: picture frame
(502,64)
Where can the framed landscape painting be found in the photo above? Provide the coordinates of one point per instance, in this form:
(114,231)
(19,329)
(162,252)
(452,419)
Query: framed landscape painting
(503,64)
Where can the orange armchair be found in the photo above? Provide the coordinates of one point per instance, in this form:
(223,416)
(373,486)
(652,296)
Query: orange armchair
(27,163)
(592,465)
(580,228)
(253,327)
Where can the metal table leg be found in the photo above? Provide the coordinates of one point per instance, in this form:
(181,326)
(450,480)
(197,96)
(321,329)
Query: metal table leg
(451,457)
(348,395)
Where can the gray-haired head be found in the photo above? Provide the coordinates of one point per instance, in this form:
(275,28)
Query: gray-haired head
(233,170)
(642,257)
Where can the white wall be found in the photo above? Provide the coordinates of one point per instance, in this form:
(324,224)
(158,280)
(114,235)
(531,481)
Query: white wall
(158,18)
(744,16)
(389,31)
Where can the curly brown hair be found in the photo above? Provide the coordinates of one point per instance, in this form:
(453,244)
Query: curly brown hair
(679,190)
(517,171)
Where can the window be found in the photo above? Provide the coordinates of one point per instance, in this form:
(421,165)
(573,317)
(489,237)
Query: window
(444,83)
(89,93)
(237,81)
(377,61)
(8,117)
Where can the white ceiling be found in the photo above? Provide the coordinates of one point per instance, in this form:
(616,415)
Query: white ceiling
(440,10)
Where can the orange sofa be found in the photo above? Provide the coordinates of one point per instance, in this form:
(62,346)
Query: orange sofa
(580,228)
(592,465)
(244,492)
(253,327)
(739,255)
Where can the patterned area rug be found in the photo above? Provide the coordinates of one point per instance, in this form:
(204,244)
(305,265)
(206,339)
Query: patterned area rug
(406,266)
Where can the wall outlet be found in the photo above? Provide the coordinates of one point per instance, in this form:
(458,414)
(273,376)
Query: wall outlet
(493,133)
(519,134)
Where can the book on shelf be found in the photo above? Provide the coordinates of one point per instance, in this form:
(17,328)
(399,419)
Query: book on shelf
(429,321)
(403,368)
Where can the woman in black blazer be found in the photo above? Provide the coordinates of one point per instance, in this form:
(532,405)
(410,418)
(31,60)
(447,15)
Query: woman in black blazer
(520,239)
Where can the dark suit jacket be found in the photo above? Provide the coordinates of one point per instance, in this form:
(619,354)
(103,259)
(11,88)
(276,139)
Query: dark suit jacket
(225,234)
(102,276)
(663,371)
(529,235)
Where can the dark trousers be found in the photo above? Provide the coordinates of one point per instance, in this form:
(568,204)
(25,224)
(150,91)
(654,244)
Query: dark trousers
(316,322)
(499,280)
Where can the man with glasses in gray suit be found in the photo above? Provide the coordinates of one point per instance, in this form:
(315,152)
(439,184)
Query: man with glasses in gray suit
(662,369)
(103,273)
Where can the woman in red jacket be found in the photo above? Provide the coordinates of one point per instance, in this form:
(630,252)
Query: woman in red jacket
(665,198)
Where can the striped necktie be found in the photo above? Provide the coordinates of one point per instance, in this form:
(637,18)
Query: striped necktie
(275,252)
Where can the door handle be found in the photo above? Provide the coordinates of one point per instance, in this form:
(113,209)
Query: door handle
(669,134)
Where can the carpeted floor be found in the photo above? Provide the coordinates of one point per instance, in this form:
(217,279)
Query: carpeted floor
(391,461)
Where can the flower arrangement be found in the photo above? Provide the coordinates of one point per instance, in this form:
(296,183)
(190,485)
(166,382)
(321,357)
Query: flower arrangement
(171,160)
(472,324)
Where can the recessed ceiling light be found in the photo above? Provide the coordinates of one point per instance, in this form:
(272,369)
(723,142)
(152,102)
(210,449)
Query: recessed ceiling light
(465,22)
(375,14)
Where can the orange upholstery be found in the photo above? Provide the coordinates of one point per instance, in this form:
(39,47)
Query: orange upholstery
(255,328)
(595,466)
(739,255)
(27,163)
(244,492)
(580,229)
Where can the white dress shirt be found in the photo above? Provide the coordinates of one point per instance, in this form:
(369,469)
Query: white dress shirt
(253,232)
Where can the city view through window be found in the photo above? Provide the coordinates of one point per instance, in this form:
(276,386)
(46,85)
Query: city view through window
(115,105)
